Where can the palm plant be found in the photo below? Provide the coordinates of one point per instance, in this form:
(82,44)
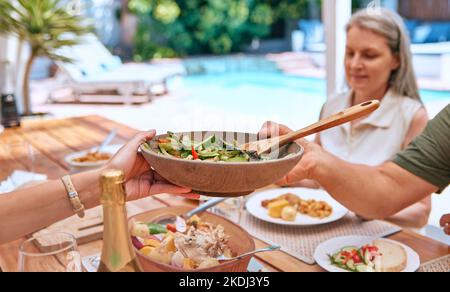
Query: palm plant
(44,26)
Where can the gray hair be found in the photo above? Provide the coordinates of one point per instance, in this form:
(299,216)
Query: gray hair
(390,25)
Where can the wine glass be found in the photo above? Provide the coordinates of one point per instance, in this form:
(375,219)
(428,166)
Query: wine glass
(52,252)
(231,209)
(22,151)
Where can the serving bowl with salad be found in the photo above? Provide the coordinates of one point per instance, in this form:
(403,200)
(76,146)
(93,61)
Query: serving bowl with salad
(211,163)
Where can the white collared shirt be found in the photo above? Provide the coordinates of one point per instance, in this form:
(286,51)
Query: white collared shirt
(374,139)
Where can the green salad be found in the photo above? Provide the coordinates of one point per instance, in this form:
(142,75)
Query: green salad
(210,149)
(354,259)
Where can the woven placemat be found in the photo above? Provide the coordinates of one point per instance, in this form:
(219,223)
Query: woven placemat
(301,242)
(438,265)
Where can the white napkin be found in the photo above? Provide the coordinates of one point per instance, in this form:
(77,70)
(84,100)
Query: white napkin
(91,263)
(19,178)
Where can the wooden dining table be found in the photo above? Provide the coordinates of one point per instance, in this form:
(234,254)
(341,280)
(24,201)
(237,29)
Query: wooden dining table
(53,140)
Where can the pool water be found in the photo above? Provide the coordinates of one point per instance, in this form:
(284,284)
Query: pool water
(432,96)
(265,92)
(291,100)
(255,97)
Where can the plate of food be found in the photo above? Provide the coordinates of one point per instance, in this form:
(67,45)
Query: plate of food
(295,207)
(207,240)
(366,254)
(90,159)
(211,163)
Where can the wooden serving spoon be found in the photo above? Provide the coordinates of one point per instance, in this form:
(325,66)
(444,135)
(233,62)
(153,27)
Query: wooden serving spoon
(355,112)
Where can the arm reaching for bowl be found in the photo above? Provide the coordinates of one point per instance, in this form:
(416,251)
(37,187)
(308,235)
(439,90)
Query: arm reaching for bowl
(381,191)
(27,210)
(372,192)
(272,129)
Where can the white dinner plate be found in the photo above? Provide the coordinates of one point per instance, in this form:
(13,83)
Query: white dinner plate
(334,245)
(254,207)
(111,149)
(1,129)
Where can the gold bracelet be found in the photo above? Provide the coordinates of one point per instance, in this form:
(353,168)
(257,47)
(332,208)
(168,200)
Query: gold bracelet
(77,206)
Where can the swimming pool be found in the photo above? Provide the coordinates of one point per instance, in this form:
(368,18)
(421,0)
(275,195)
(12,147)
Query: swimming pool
(429,96)
(271,95)
(264,96)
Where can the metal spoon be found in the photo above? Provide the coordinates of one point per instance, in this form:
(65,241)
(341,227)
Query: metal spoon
(180,221)
(269,248)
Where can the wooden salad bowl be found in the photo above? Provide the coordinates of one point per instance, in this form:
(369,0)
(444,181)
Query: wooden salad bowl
(240,242)
(222,179)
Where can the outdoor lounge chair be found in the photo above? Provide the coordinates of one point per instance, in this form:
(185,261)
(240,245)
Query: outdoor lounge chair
(96,70)
(314,35)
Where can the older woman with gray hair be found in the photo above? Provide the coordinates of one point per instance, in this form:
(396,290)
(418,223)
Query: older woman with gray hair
(378,65)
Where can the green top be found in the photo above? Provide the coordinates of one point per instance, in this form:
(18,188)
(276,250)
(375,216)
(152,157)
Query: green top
(428,156)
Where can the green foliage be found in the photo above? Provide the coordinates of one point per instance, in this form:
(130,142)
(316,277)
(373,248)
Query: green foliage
(358,4)
(41,23)
(44,25)
(169,28)
(295,9)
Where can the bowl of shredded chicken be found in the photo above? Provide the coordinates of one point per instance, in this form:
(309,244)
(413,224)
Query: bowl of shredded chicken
(208,239)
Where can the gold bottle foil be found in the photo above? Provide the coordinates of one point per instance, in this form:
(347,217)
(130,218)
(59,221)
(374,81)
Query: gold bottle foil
(117,254)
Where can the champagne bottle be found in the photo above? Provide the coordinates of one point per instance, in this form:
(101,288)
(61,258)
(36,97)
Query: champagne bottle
(9,116)
(117,254)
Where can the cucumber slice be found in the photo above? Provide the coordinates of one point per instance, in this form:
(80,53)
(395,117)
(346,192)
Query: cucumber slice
(351,265)
(344,267)
(340,265)
(338,258)
(340,262)
(367,261)
(205,154)
(364,269)
(185,154)
(366,257)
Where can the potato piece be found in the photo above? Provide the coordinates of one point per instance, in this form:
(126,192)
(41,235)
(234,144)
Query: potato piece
(151,242)
(188,264)
(146,250)
(140,230)
(228,253)
(161,256)
(208,263)
(276,207)
(195,218)
(291,198)
(169,244)
(289,213)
